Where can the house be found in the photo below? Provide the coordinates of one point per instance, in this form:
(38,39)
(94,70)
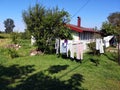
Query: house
(82,34)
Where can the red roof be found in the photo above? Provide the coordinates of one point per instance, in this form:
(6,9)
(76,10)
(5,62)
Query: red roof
(80,29)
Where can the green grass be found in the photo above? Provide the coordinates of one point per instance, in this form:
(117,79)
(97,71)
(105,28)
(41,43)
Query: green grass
(4,35)
(47,72)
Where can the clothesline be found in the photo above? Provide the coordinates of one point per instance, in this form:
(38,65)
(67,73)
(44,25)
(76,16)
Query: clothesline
(75,49)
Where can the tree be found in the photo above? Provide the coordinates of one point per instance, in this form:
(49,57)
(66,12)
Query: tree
(46,25)
(108,29)
(114,19)
(112,26)
(9,25)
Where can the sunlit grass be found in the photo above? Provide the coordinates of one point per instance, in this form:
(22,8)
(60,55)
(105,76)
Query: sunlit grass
(101,77)
(48,72)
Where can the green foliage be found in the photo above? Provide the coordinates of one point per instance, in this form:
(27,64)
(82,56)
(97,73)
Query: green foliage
(9,52)
(25,35)
(114,19)
(46,25)
(4,35)
(14,37)
(112,26)
(12,53)
(92,48)
(108,29)
(9,25)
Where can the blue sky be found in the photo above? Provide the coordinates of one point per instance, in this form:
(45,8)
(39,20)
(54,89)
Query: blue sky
(92,12)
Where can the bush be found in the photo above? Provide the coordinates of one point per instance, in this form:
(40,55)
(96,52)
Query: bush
(9,52)
(12,53)
(14,36)
(92,48)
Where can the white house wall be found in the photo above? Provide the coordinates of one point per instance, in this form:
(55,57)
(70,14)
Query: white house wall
(75,36)
(84,37)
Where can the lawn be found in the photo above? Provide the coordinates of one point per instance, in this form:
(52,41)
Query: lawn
(48,72)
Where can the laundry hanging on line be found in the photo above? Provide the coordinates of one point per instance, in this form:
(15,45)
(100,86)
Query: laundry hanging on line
(70,48)
(99,45)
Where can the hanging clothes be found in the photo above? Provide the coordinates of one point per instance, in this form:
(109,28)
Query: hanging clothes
(99,45)
(57,46)
(106,40)
(63,46)
(72,51)
(69,49)
(79,51)
(33,40)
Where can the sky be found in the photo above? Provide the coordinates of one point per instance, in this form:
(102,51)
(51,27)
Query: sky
(92,12)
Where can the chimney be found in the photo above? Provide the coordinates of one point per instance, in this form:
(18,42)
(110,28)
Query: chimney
(79,21)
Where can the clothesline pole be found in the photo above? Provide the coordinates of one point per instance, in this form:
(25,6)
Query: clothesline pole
(119,49)
(59,48)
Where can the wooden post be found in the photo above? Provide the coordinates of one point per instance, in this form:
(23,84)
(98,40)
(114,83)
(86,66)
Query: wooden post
(118,49)
(59,48)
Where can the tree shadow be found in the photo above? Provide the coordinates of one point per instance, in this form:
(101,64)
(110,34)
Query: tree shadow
(75,81)
(94,52)
(40,81)
(95,61)
(112,56)
(8,75)
(57,68)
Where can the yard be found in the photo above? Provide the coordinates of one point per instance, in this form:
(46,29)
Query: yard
(48,72)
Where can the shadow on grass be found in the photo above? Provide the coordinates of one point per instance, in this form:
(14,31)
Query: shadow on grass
(95,61)
(112,56)
(8,75)
(96,52)
(40,81)
(57,68)
(64,56)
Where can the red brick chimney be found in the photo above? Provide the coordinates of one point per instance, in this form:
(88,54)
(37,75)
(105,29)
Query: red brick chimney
(79,21)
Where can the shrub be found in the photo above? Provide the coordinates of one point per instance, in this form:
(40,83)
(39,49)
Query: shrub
(92,48)
(12,53)
(14,37)
(9,52)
